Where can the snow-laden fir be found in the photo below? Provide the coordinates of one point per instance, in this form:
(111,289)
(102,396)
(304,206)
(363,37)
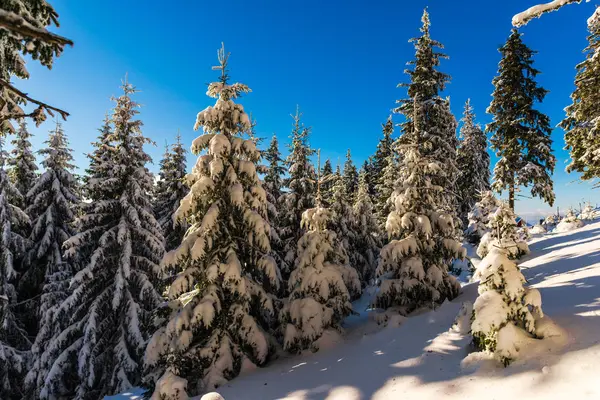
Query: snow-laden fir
(14,340)
(221,303)
(505,310)
(320,285)
(414,265)
(53,209)
(503,233)
(106,319)
(473,162)
(168,193)
(479,217)
(299,195)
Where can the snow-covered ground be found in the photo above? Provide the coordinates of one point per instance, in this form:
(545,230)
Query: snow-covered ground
(424,359)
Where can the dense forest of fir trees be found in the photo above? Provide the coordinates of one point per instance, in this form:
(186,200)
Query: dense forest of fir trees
(116,279)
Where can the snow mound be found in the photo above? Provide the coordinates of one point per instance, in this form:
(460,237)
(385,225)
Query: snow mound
(212,396)
(566,226)
(538,230)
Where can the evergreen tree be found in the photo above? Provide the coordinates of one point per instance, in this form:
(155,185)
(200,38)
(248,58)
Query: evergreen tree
(520,133)
(273,184)
(385,188)
(367,236)
(415,263)
(300,195)
(226,278)
(327,178)
(170,190)
(14,341)
(54,202)
(350,176)
(502,233)
(23,172)
(319,285)
(23,35)
(382,155)
(107,315)
(479,217)
(100,165)
(341,223)
(504,310)
(473,162)
(426,82)
(582,123)
(438,122)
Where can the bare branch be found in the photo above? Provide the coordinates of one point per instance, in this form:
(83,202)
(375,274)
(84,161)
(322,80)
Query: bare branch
(17,24)
(36,113)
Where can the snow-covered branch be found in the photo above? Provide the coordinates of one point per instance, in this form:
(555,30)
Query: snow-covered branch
(16,24)
(35,114)
(536,11)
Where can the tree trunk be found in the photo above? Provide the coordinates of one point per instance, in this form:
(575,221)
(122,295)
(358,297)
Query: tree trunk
(511,196)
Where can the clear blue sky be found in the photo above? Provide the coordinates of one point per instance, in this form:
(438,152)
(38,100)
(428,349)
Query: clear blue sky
(339,60)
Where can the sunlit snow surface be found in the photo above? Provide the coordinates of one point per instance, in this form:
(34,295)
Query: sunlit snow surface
(424,358)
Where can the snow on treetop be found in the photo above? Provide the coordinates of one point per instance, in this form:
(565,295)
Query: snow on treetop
(536,11)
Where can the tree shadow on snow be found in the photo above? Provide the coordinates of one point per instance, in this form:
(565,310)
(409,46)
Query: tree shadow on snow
(422,351)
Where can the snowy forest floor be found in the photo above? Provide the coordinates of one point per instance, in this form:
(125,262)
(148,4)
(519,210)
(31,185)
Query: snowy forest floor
(424,359)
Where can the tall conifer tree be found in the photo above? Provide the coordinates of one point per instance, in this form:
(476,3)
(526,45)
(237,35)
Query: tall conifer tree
(226,278)
(169,191)
(438,122)
(350,177)
(14,340)
(473,163)
(520,133)
(415,262)
(23,172)
(300,195)
(107,316)
(582,122)
(53,208)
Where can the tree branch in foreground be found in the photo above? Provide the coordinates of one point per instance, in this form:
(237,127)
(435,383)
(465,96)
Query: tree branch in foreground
(17,24)
(35,114)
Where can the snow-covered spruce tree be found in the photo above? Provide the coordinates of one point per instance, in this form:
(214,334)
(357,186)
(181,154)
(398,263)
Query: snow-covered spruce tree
(520,133)
(350,177)
(14,341)
(170,190)
(327,178)
(321,283)
(385,187)
(588,213)
(380,159)
(473,163)
(100,166)
(569,222)
(366,241)
(505,311)
(24,33)
(414,265)
(107,315)
(23,171)
(300,194)
(438,123)
(503,233)
(341,223)
(582,122)
(54,202)
(222,297)
(479,216)
(273,184)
